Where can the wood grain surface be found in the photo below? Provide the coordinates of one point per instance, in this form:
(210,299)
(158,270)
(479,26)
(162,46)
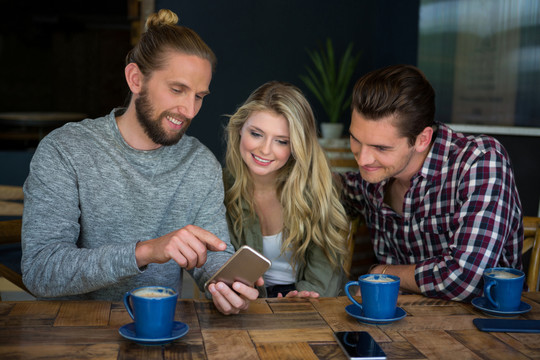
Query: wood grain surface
(269,329)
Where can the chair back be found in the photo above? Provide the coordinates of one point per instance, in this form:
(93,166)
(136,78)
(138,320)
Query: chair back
(531,242)
(10,231)
(10,252)
(11,198)
(347,264)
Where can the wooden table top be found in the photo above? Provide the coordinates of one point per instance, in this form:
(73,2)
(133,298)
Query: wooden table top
(270,329)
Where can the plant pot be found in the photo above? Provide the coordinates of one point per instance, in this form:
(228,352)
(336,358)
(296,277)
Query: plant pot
(331,130)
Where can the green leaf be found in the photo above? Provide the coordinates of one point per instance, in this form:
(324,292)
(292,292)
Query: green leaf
(329,80)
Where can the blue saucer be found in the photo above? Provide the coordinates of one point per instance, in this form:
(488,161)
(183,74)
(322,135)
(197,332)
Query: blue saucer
(179,329)
(355,312)
(484,305)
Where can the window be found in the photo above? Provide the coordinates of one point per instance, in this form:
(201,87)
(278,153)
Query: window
(483,59)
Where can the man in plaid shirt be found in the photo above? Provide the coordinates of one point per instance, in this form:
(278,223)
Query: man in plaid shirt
(441,206)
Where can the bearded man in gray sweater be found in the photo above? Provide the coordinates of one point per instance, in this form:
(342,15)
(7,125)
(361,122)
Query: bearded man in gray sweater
(128,200)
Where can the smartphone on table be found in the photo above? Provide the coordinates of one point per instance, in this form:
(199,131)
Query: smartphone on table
(246,266)
(359,345)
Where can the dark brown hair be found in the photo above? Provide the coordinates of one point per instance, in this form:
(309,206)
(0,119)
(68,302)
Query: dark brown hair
(399,90)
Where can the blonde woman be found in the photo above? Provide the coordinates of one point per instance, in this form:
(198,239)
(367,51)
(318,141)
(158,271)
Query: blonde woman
(280,195)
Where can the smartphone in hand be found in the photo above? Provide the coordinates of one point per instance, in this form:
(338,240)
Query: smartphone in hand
(359,345)
(246,266)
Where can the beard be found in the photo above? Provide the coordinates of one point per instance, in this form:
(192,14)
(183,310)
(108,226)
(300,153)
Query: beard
(388,172)
(152,127)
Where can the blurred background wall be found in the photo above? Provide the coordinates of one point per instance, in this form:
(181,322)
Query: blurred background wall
(69,56)
(258,41)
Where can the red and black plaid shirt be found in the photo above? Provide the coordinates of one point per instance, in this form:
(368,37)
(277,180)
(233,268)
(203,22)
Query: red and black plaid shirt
(461,215)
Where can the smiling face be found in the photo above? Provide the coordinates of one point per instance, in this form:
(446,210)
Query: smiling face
(171,97)
(265,143)
(381,152)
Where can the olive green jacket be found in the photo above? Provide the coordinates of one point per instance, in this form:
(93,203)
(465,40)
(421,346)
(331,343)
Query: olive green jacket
(316,274)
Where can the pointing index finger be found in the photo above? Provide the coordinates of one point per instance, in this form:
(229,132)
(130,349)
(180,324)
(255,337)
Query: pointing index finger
(211,241)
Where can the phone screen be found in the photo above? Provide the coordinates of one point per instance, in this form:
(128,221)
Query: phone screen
(359,345)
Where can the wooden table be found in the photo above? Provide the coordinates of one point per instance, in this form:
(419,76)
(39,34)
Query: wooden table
(270,329)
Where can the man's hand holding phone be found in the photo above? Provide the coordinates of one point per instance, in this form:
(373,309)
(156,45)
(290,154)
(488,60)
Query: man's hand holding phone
(232,285)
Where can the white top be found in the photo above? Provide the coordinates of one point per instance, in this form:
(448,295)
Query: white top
(281,271)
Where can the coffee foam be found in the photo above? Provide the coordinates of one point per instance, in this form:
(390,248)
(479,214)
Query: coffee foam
(153,293)
(501,274)
(378,279)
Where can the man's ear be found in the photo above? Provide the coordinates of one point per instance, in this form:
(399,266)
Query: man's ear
(423,140)
(134,77)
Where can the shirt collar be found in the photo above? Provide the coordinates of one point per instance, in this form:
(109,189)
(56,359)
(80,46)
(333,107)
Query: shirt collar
(439,152)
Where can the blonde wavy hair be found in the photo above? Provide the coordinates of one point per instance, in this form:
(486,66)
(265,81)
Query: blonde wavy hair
(312,212)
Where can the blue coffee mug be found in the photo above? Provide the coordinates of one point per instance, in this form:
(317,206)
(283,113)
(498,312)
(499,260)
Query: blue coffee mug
(152,308)
(379,295)
(503,288)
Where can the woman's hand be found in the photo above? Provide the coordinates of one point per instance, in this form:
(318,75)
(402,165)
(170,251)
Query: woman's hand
(230,302)
(300,294)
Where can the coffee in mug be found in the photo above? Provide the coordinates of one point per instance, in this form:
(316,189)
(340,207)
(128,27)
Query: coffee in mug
(503,288)
(152,308)
(379,295)
(153,293)
(502,274)
(378,278)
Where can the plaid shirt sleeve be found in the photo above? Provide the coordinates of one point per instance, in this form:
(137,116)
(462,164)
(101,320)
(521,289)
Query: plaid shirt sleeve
(484,229)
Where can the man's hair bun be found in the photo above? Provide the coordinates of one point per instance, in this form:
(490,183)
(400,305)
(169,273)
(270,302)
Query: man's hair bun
(163,17)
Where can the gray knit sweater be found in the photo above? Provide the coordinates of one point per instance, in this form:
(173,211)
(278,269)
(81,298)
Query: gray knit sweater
(90,197)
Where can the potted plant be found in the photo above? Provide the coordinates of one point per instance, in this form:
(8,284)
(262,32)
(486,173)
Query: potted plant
(329,82)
